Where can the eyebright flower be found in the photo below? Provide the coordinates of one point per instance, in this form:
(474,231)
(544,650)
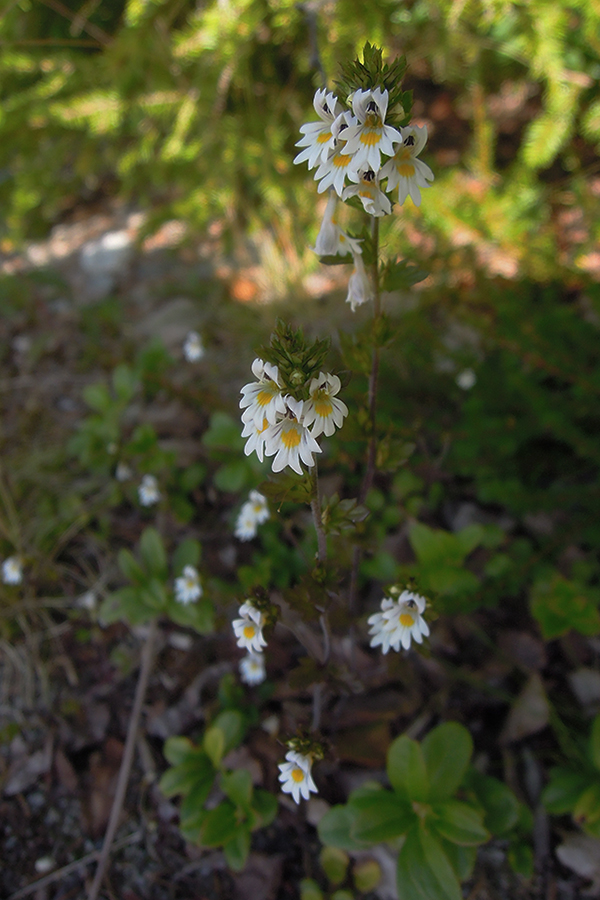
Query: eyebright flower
(371,196)
(248,628)
(256,437)
(148,492)
(323,410)
(262,399)
(331,240)
(405,170)
(399,622)
(317,135)
(123,472)
(187,586)
(254,512)
(334,168)
(295,776)
(12,570)
(193,349)
(290,440)
(369,137)
(252,668)
(359,286)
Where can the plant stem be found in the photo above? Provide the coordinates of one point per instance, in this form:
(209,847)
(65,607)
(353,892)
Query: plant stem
(123,780)
(315,506)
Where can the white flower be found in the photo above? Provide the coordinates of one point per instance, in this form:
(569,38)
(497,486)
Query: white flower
(466,379)
(405,170)
(318,138)
(12,570)
(88,600)
(187,586)
(334,168)
(359,286)
(290,441)
(260,506)
(193,349)
(399,622)
(371,196)
(322,408)
(248,628)
(252,668)
(148,492)
(123,472)
(295,776)
(369,137)
(262,399)
(257,436)
(254,512)
(331,240)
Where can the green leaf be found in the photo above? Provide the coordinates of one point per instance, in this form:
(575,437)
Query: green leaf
(128,604)
(236,850)
(192,807)
(334,829)
(223,432)
(214,745)
(195,768)
(406,769)
(501,807)
(153,553)
(177,749)
(459,823)
(447,751)
(595,743)
(231,723)
(462,859)
(366,875)
(186,554)
(560,605)
(237,786)
(98,397)
(310,890)
(233,476)
(191,478)
(520,858)
(124,382)
(334,863)
(337,260)
(563,790)
(264,805)
(424,871)
(401,275)
(587,809)
(130,567)
(199,615)
(380,816)
(220,825)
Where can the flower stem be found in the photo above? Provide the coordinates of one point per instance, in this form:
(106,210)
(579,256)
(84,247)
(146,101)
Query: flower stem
(315,506)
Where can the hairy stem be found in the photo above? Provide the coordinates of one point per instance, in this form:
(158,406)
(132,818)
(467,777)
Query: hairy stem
(140,693)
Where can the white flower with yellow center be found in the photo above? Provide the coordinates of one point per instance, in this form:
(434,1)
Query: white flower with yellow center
(331,240)
(187,586)
(359,285)
(12,570)
(399,622)
(338,163)
(295,776)
(367,189)
(148,492)
(370,137)
(290,440)
(257,435)
(323,410)
(245,524)
(318,137)
(262,399)
(259,506)
(404,170)
(252,668)
(248,628)
(193,349)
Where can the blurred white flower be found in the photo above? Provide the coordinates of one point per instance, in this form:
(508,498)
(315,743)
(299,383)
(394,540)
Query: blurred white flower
(248,628)
(466,379)
(399,622)
(187,586)
(295,776)
(331,240)
(359,285)
(123,472)
(193,349)
(148,492)
(12,570)
(254,512)
(252,668)
(88,600)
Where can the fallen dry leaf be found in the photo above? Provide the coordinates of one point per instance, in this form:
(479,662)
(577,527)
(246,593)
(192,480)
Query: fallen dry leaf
(529,713)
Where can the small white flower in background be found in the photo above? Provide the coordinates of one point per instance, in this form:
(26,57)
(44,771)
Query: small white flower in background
(123,472)
(331,240)
(88,600)
(252,668)
(371,196)
(248,628)
(323,410)
(187,586)
(290,441)
(295,776)
(12,570)
(262,399)
(405,170)
(399,622)
(193,349)
(318,137)
(148,492)
(369,137)
(254,512)
(260,506)
(359,285)
(466,379)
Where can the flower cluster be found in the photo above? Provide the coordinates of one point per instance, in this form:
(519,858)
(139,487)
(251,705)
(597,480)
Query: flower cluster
(248,631)
(187,586)
(295,775)
(400,621)
(276,424)
(253,513)
(148,492)
(352,144)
